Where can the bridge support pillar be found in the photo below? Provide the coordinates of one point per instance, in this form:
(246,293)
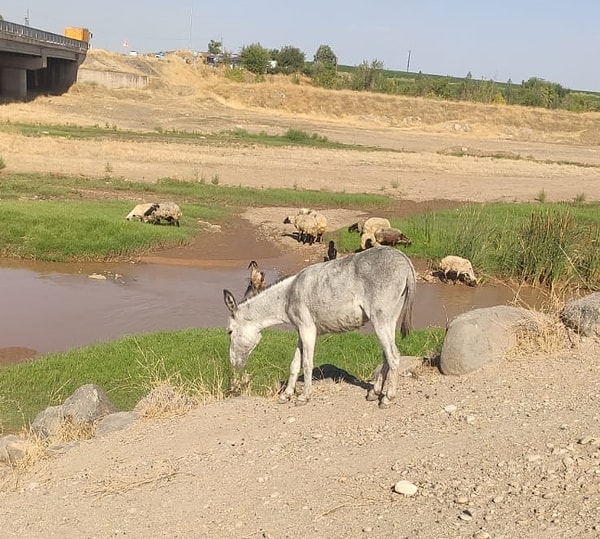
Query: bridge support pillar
(13,83)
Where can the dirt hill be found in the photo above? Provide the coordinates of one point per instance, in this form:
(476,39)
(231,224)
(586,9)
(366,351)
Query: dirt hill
(428,149)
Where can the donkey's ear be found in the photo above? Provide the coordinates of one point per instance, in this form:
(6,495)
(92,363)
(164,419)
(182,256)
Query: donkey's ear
(230,301)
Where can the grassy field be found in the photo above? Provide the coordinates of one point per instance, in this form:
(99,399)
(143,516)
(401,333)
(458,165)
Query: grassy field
(45,218)
(194,362)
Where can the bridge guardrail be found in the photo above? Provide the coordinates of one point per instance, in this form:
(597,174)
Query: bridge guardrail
(34,34)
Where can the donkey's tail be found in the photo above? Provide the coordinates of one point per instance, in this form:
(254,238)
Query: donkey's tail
(408,294)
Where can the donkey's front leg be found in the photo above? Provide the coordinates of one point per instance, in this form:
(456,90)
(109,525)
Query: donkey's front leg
(294,372)
(308,337)
(378,379)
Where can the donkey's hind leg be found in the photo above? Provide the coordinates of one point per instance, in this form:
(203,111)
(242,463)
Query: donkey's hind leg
(378,378)
(294,372)
(386,333)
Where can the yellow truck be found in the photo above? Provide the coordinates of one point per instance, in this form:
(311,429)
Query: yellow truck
(81,34)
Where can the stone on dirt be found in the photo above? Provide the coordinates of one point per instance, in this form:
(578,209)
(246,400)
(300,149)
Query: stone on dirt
(87,404)
(482,336)
(583,315)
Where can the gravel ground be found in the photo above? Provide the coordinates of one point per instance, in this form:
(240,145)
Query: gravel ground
(512,450)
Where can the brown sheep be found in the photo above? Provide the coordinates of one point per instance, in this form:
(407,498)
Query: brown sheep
(391,236)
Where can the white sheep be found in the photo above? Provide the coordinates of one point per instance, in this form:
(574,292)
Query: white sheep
(370,225)
(310,224)
(167,211)
(460,267)
(367,240)
(137,214)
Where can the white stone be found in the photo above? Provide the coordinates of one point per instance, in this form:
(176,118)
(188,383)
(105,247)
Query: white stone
(406,488)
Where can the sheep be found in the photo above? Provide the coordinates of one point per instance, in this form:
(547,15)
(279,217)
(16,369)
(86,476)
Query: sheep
(295,220)
(383,236)
(311,225)
(391,236)
(257,280)
(461,267)
(370,225)
(168,211)
(318,226)
(367,240)
(137,214)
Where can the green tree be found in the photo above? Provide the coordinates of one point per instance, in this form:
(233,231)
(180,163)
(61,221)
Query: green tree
(255,58)
(466,87)
(326,77)
(215,47)
(289,60)
(325,56)
(367,76)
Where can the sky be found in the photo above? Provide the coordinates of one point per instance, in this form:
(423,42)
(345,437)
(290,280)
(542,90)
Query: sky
(553,40)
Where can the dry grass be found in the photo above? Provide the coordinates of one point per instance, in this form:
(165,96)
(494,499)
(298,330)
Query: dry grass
(197,98)
(165,400)
(200,85)
(168,394)
(542,336)
(119,483)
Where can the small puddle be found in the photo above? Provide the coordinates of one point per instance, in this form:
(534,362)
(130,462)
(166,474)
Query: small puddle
(55,307)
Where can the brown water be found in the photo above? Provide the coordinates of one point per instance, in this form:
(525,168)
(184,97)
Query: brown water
(53,307)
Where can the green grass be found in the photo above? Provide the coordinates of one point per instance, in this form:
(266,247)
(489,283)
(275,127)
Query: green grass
(550,244)
(43,217)
(127,368)
(293,137)
(60,231)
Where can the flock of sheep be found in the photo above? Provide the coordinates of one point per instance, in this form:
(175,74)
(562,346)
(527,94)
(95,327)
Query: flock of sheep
(310,226)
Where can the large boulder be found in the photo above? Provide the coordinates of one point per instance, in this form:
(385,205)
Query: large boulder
(583,315)
(88,404)
(482,336)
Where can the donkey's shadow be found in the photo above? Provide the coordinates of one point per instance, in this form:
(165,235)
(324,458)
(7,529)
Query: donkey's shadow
(328,371)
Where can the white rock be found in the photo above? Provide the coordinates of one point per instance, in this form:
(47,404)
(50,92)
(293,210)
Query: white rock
(406,488)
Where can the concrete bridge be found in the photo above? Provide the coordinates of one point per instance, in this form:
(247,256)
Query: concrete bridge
(34,62)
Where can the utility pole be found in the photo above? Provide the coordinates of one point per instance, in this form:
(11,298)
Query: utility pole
(27,18)
(190,37)
(408,62)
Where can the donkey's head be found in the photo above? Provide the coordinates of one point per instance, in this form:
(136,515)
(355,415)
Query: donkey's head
(243,334)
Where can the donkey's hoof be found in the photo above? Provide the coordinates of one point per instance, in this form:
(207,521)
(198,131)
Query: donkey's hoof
(384,403)
(283,398)
(301,400)
(371,395)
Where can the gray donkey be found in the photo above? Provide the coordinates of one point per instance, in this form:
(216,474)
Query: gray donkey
(331,297)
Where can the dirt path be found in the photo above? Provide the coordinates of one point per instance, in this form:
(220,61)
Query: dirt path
(510,451)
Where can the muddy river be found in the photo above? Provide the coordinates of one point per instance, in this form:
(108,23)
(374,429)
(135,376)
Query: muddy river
(54,307)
